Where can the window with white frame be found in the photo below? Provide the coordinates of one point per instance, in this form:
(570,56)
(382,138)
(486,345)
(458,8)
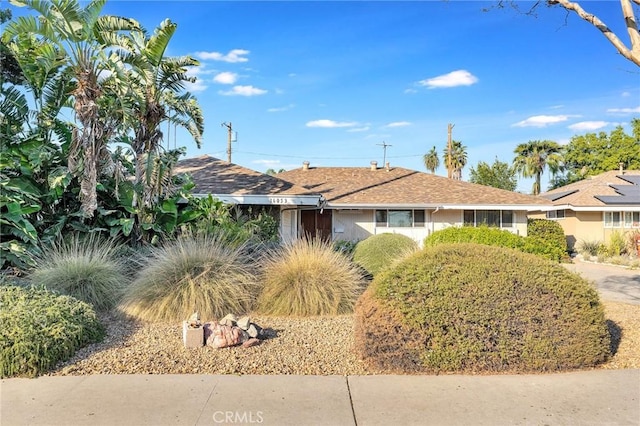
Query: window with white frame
(632,219)
(400,218)
(555,214)
(612,219)
(622,219)
(493,218)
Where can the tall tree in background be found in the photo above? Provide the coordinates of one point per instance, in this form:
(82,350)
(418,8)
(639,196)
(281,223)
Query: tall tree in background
(458,158)
(431,160)
(630,51)
(592,154)
(533,157)
(498,175)
(84,36)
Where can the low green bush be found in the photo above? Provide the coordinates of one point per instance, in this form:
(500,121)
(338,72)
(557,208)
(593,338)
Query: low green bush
(208,274)
(309,277)
(496,237)
(590,248)
(380,251)
(89,269)
(478,308)
(41,328)
(549,231)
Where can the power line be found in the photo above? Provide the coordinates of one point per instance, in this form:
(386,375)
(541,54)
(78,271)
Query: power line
(306,157)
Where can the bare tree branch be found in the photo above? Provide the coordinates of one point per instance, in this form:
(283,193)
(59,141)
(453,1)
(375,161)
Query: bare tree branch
(632,54)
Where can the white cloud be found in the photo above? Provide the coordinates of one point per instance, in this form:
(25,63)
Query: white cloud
(243,91)
(398,124)
(235,55)
(542,120)
(359,129)
(292,74)
(410,91)
(330,123)
(624,110)
(226,78)
(452,79)
(280,109)
(588,125)
(556,107)
(625,94)
(198,86)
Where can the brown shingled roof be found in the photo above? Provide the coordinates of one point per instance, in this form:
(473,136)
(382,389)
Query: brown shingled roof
(399,186)
(214,176)
(583,193)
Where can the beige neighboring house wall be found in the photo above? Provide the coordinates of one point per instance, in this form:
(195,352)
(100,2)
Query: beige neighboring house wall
(593,208)
(365,201)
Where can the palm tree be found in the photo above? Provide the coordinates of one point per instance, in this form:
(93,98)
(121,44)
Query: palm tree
(457,159)
(157,96)
(534,156)
(431,160)
(84,36)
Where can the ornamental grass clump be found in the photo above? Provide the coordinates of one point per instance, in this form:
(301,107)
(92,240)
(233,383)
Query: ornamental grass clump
(207,274)
(380,251)
(89,269)
(475,308)
(308,277)
(41,328)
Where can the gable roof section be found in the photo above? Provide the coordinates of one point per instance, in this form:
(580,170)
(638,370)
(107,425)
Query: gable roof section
(231,182)
(357,187)
(605,190)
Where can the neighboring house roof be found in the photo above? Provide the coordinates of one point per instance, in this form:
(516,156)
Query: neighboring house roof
(360,187)
(606,191)
(236,184)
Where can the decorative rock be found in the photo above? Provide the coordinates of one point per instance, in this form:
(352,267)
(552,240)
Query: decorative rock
(223,336)
(244,323)
(229,320)
(251,342)
(254,330)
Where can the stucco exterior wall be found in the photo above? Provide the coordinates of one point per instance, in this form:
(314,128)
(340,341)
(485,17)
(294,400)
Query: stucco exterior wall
(288,225)
(352,225)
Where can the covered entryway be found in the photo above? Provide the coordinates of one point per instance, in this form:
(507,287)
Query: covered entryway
(316,223)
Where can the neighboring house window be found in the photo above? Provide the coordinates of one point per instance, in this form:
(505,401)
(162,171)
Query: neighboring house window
(632,219)
(612,219)
(495,218)
(400,218)
(555,214)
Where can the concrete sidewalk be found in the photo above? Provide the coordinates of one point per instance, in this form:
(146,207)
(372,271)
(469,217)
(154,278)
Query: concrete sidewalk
(596,397)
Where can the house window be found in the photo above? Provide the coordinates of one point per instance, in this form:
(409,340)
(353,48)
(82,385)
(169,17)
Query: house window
(494,218)
(555,214)
(507,218)
(400,218)
(612,219)
(632,219)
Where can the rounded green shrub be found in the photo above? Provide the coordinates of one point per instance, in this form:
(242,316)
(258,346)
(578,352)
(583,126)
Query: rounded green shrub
(478,308)
(41,328)
(88,269)
(309,277)
(549,231)
(206,274)
(380,251)
(496,237)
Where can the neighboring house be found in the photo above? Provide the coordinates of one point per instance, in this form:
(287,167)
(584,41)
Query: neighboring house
(364,201)
(593,208)
(233,184)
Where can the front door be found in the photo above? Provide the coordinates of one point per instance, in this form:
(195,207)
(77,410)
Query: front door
(315,223)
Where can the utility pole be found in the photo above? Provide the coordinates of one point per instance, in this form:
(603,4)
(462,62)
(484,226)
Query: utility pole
(384,146)
(449,151)
(229,139)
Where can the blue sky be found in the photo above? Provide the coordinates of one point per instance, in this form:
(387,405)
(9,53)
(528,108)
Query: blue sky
(329,82)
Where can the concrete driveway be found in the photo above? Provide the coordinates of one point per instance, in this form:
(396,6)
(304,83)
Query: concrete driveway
(614,283)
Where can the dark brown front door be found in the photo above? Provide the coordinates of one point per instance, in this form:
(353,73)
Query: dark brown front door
(316,224)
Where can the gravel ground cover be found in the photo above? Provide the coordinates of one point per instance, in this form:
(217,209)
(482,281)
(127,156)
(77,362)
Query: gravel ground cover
(311,346)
